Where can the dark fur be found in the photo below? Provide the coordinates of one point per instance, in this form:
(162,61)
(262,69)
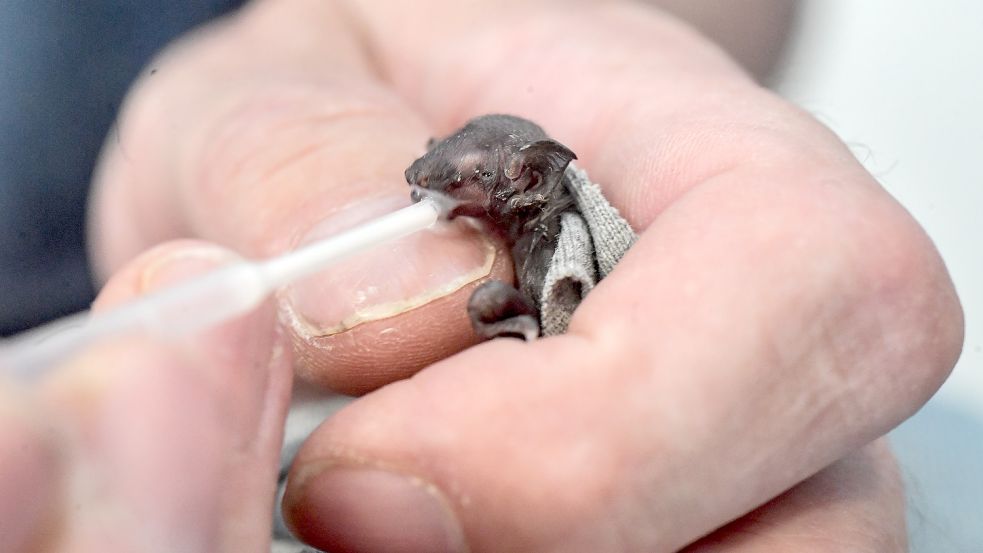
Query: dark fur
(507,172)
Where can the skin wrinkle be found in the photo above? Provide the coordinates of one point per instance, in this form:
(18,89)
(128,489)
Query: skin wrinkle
(845,499)
(230,155)
(817,339)
(255,449)
(823,306)
(226,133)
(278,165)
(733,143)
(211,47)
(270,427)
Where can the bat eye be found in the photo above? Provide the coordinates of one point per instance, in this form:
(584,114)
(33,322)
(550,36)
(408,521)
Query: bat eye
(453,182)
(484,174)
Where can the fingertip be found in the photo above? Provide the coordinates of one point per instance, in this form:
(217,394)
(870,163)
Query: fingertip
(859,500)
(170,421)
(159,267)
(246,360)
(486,433)
(364,508)
(387,313)
(377,353)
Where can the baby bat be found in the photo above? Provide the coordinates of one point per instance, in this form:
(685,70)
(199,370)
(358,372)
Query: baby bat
(505,171)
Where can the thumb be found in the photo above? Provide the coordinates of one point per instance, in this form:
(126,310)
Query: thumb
(170,446)
(471,454)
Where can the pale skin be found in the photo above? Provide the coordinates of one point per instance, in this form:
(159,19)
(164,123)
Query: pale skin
(724,389)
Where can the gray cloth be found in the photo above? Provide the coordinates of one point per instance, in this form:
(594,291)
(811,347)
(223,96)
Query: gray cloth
(590,244)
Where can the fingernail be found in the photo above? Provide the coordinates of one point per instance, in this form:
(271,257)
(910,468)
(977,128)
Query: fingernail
(388,279)
(362,509)
(180,264)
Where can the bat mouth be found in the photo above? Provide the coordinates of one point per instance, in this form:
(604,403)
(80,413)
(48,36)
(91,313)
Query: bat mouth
(445,202)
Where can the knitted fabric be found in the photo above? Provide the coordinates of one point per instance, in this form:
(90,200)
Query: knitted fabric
(589,246)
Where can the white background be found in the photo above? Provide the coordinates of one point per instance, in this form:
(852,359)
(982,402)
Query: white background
(901,81)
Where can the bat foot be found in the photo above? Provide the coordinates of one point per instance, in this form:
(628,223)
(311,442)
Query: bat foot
(499,310)
(525,327)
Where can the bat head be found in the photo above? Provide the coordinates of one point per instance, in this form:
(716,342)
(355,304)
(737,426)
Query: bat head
(467,177)
(481,166)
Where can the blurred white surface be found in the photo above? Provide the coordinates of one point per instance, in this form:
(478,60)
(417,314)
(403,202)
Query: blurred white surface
(902,83)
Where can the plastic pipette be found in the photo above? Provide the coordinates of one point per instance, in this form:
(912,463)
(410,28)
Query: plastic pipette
(204,301)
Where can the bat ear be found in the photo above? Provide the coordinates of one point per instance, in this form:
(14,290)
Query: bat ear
(542,157)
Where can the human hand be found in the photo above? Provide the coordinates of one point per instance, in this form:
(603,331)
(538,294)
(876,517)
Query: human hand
(144,446)
(778,312)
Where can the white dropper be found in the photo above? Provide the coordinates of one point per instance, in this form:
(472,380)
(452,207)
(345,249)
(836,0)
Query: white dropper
(204,301)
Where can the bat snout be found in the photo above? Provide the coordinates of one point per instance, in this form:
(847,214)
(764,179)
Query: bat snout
(415,177)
